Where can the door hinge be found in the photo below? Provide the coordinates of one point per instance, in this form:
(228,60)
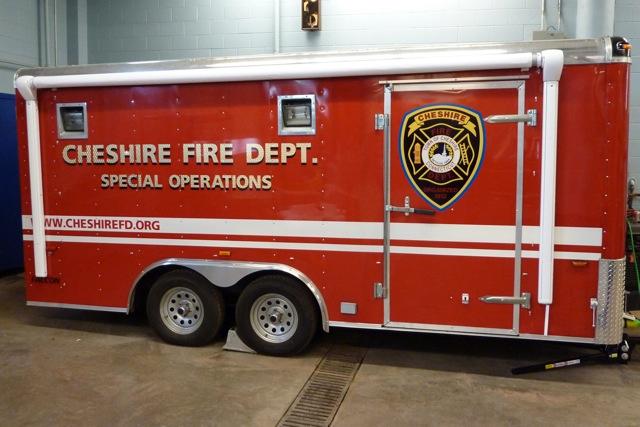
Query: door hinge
(531,118)
(533,113)
(524,300)
(379,122)
(379,291)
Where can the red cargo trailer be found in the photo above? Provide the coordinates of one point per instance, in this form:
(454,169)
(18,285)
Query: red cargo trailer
(467,189)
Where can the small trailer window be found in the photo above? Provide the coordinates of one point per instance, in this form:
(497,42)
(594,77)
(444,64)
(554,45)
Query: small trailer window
(72,120)
(297,115)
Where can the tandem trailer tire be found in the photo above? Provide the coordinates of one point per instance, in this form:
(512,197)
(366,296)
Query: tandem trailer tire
(276,315)
(185,309)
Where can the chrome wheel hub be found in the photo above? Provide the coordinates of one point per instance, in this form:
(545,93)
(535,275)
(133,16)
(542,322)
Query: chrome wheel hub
(274,318)
(181,310)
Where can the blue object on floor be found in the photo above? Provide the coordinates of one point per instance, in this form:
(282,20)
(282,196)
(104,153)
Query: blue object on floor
(10,220)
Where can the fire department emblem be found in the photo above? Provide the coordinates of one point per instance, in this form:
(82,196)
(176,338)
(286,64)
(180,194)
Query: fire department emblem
(442,147)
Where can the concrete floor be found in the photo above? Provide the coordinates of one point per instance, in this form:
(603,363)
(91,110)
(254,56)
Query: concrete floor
(59,367)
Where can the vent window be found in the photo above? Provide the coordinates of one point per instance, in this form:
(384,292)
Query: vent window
(72,120)
(297,115)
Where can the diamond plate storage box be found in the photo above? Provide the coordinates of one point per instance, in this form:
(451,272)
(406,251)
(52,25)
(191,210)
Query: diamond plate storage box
(609,323)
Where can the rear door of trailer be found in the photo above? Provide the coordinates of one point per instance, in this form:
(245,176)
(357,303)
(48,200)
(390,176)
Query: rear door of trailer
(469,173)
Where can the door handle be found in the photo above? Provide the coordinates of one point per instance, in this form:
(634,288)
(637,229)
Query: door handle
(531,118)
(524,300)
(407,209)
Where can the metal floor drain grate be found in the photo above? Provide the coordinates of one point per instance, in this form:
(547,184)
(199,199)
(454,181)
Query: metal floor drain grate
(321,396)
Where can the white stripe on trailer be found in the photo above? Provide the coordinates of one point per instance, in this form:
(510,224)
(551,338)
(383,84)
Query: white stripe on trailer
(481,233)
(559,338)
(463,233)
(490,253)
(212,243)
(223,226)
(326,247)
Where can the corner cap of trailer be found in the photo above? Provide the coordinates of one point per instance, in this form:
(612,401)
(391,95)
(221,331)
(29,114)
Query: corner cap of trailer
(24,85)
(551,62)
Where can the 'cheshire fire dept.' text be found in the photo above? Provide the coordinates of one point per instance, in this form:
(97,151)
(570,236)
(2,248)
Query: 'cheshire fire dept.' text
(198,153)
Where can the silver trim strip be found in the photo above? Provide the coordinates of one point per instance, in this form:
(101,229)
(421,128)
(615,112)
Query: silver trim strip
(78,306)
(356,325)
(559,338)
(377,326)
(455,79)
(497,84)
(621,59)
(451,328)
(386,245)
(577,51)
(608,50)
(225,274)
(517,266)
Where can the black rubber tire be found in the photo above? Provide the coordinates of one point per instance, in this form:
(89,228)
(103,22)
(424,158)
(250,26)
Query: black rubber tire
(301,299)
(212,308)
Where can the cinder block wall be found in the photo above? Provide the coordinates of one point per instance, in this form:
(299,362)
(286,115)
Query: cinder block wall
(18,39)
(122,30)
(627,23)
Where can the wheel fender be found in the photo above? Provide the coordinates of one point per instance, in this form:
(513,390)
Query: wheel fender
(225,274)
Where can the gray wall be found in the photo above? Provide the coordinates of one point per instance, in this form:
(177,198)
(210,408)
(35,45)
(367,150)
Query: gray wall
(35,32)
(120,30)
(18,39)
(627,23)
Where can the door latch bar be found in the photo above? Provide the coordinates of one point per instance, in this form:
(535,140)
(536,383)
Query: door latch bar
(531,118)
(524,300)
(407,209)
